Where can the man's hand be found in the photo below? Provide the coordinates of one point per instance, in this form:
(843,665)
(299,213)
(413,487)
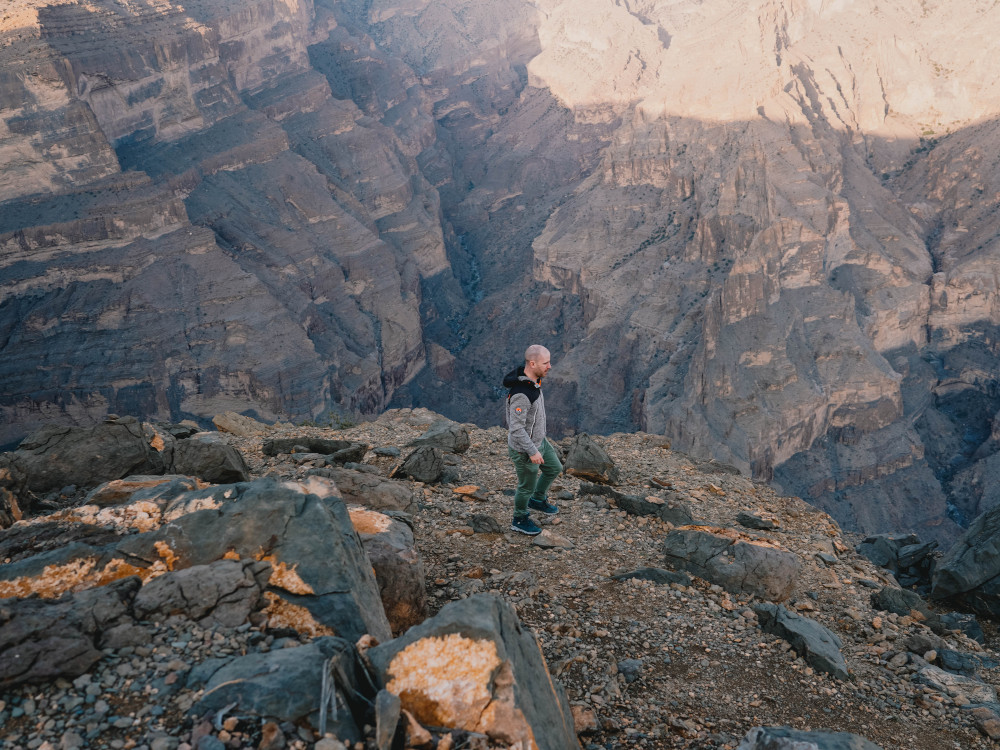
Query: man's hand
(537,459)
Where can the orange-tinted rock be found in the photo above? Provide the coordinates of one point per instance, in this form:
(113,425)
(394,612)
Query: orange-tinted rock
(474,667)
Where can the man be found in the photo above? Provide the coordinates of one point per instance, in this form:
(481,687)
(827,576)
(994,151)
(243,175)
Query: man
(534,458)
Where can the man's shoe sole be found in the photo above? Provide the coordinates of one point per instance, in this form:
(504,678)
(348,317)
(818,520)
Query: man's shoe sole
(522,531)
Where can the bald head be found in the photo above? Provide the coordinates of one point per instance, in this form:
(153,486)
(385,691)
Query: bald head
(537,362)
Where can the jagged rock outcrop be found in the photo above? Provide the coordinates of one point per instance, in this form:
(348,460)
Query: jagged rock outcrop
(969,572)
(182,195)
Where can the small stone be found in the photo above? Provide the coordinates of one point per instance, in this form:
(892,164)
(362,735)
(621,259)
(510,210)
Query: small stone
(899,660)
(330,743)
(271,737)
(990,727)
(585,719)
(416,735)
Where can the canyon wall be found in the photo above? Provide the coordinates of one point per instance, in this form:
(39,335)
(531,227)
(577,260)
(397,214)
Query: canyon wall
(763,229)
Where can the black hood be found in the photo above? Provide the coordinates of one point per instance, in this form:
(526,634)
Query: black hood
(516,381)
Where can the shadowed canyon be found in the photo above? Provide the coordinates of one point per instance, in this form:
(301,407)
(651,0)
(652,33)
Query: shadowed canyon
(766,230)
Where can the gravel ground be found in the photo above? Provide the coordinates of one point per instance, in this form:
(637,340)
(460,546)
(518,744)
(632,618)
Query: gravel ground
(643,664)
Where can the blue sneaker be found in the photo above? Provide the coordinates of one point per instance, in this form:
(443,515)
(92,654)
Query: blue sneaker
(525,525)
(542,506)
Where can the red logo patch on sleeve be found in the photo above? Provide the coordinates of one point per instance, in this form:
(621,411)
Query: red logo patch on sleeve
(517,409)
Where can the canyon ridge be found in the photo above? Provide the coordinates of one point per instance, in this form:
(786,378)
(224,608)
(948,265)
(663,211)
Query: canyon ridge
(765,230)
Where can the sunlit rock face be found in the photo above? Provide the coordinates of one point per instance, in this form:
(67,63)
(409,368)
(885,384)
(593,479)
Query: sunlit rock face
(765,229)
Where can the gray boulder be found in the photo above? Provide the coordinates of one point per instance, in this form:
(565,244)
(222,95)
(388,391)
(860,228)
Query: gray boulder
(975,691)
(969,573)
(337,451)
(302,529)
(287,685)
(900,601)
(119,491)
(786,738)
(671,508)
(55,456)
(238,424)
(306,532)
(371,490)
(817,645)
(504,689)
(449,436)
(903,554)
(485,524)
(425,464)
(41,639)
(750,521)
(738,565)
(587,460)
(399,570)
(208,456)
(222,593)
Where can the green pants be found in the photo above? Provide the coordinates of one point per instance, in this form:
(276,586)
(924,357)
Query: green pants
(533,480)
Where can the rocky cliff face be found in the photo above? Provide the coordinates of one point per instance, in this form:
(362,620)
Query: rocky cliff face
(763,229)
(191,218)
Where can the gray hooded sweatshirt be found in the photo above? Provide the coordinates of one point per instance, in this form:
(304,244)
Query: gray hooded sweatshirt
(524,413)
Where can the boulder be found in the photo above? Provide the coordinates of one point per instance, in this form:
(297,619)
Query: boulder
(41,639)
(587,460)
(671,508)
(959,662)
(208,456)
(321,580)
(55,457)
(750,521)
(900,601)
(370,490)
(119,491)
(818,646)
(446,435)
(975,691)
(288,685)
(969,573)
(903,554)
(963,623)
(399,570)
(425,464)
(222,593)
(485,524)
(474,667)
(883,549)
(786,738)
(340,451)
(238,424)
(739,564)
